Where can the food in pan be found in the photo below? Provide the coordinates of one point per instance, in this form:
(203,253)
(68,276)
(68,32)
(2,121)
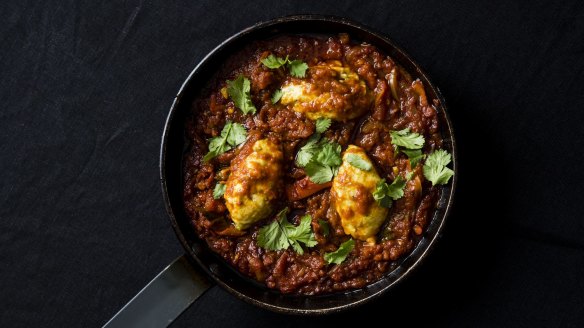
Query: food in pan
(314,164)
(252,186)
(352,195)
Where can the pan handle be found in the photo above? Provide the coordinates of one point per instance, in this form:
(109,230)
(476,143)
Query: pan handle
(164,298)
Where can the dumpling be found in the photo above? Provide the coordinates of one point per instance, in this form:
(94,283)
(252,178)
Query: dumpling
(253,183)
(352,195)
(330,91)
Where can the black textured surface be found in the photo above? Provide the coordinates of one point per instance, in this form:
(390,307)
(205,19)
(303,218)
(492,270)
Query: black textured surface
(84,91)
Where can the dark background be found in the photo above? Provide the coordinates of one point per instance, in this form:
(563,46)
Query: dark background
(85,87)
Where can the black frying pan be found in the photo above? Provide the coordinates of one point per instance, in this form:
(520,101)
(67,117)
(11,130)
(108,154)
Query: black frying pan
(182,282)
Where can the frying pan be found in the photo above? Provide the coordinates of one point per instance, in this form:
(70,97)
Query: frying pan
(189,276)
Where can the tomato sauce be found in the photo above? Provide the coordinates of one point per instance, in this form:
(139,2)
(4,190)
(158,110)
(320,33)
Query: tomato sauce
(396,102)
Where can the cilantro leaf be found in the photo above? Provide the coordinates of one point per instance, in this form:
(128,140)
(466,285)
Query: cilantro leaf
(396,189)
(320,158)
(322,124)
(329,154)
(415,156)
(358,162)
(405,138)
(324,159)
(318,173)
(217,146)
(239,91)
(338,256)
(384,193)
(236,135)
(301,234)
(273,62)
(298,68)
(232,135)
(272,236)
(409,175)
(380,194)
(435,168)
(219,190)
(277,96)
(281,234)
(335,170)
(307,151)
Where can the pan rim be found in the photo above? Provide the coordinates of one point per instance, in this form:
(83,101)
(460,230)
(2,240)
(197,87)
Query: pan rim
(448,198)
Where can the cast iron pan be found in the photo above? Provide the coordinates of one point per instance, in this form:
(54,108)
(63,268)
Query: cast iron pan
(181,283)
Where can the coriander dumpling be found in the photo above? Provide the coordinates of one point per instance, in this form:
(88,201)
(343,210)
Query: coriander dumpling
(352,194)
(330,91)
(253,183)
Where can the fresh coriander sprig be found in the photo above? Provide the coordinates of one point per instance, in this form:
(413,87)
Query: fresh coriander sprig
(405,138)
(319,173)
(358,162)
(273,62)
(232,135)
(321,159)
(435,168)
(276,96)
(415,156)
(329,154)
(322,124)
(338,256)
(384,193)
(296,67)
(281,234)
(239,91)
(308,151)
(219,190)
(313,145)
(409,143)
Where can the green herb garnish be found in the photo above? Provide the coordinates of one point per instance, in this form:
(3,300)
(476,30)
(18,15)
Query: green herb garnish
(296,67)
(232,135)
(281,234)
(276,96)
(329,154)
(319,173)
(239,91)
(322,124)
(409,175)
(273,62)
(338,256)
(321,159)
(384,193)
(435,168)
(405,138)
(308,151)
(219,190)
(415,156)
(358,162)
(409,143)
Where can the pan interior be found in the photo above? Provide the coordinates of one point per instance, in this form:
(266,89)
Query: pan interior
(174,143)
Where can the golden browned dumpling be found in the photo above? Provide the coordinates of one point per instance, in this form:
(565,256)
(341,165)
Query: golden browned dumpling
(252,185)
(352,192)
(330,91)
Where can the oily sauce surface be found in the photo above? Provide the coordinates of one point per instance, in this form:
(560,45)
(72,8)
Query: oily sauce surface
(393,101)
